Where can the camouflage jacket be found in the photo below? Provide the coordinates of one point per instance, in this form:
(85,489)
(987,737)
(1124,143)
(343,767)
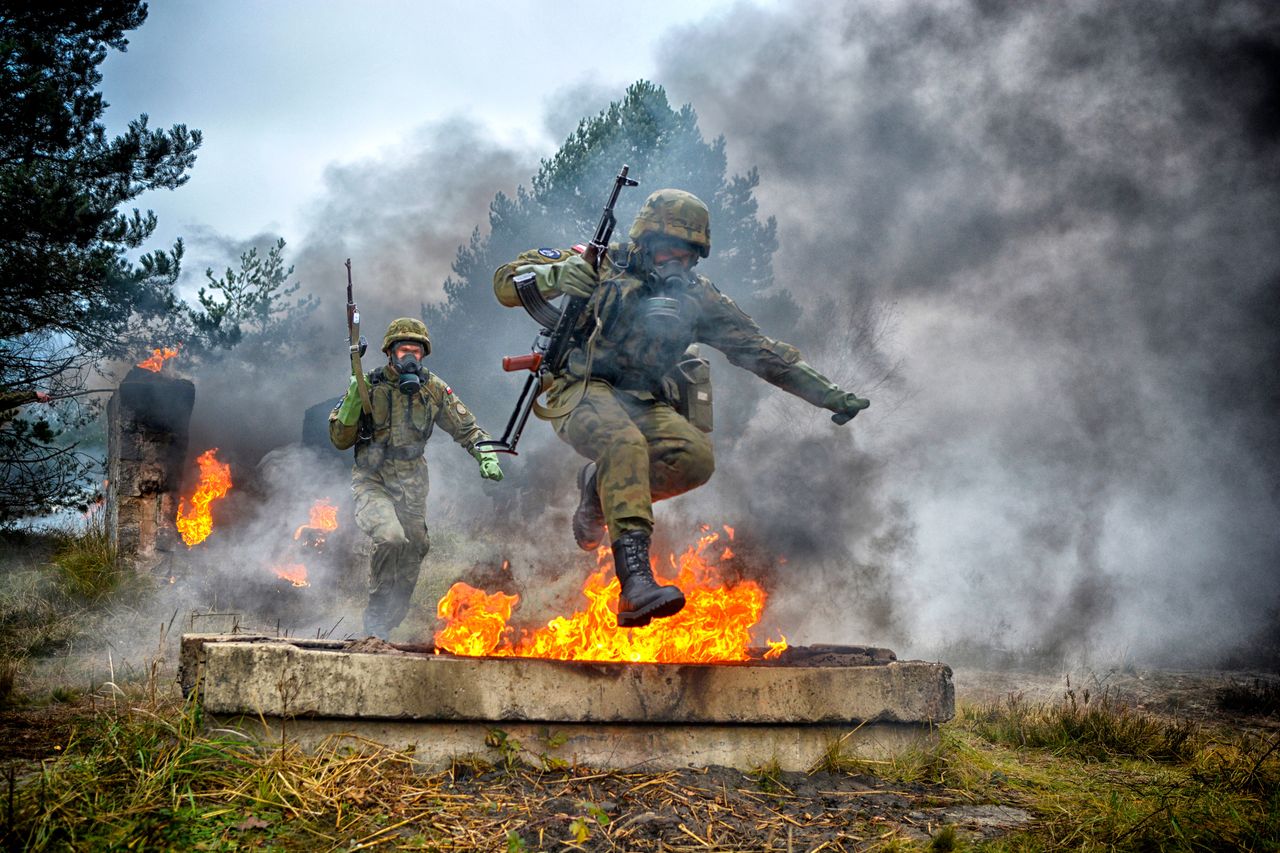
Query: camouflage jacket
(402,423)
(633,352)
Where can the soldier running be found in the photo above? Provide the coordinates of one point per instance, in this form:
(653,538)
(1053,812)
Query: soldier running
(389,479)
(646,307)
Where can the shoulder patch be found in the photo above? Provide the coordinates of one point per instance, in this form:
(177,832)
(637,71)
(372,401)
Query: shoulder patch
(460,409)
(553,254)
(448,390)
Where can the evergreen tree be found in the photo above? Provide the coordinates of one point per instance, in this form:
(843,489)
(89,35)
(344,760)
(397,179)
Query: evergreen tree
(71,295)
(664,148)
(250,303)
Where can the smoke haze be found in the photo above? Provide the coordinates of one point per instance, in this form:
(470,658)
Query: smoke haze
(1072,210)
(1041,237)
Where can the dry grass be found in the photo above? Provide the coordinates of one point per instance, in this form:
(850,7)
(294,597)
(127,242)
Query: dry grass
(154,777)
(147,771)
(1084,726)
(1104,776)
(87,564)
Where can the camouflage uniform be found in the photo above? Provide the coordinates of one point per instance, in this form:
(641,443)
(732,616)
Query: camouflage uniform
(612,399)
(644,450)
(390,483)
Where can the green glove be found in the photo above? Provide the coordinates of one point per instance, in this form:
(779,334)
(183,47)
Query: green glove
(349,408)
(573,276)
(847,406)
(489,468)
(808,384)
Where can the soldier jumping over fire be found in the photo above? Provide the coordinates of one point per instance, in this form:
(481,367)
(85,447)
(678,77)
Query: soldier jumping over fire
(612,398)
(404,403)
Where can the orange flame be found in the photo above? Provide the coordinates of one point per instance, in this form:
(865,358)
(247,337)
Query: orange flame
(715,624)
(324,518)
(158,358)
(294,573)
(215,481)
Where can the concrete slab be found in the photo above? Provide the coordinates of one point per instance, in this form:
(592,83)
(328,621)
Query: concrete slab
(655,715)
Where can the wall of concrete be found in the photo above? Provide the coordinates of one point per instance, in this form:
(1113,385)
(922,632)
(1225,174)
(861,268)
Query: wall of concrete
(655,715)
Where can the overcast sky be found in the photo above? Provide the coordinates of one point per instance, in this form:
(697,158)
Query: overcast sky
(284,89)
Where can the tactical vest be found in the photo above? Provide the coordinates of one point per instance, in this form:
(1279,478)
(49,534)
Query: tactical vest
(399,425)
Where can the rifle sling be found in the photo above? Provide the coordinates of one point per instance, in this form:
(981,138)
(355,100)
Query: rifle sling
(549,413)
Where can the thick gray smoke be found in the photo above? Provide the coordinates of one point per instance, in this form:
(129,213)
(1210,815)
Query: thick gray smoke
(1040,236)
(400,218)
(1072,210)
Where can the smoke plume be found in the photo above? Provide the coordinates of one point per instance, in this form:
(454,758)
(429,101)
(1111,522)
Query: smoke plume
(1039,236)
(1071,210)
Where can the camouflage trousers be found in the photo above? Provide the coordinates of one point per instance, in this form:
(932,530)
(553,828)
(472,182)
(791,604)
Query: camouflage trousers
(390,509)
(644,452)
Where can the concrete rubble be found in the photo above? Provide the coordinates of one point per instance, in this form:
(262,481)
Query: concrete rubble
(656,716)
(147,426)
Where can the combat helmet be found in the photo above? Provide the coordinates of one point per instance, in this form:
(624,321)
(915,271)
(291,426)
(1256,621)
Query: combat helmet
(674,213)
(407,329)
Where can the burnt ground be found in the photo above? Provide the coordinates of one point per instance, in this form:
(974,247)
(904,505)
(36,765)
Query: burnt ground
(33,734)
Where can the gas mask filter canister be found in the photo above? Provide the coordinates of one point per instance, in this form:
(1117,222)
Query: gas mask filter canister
(410,374)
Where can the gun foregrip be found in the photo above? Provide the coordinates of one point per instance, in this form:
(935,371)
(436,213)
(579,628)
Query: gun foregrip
(530,362)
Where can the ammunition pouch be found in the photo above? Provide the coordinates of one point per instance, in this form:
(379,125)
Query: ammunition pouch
(688,387)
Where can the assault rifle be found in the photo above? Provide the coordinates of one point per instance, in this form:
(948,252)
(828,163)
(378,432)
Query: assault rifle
(357,346)
(555,339)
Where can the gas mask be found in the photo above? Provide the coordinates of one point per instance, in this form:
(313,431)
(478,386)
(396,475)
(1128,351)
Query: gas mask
(666,282)
(410,370)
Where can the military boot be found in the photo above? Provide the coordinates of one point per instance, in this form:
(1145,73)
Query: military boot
(588,518)
(375,624)
(643,599)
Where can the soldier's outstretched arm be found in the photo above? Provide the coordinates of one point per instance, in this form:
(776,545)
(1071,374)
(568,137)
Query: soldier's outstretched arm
(727,328)
(455,418)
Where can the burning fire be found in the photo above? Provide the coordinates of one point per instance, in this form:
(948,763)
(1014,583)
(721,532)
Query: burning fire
(294,573)
(158,358)
(215,480)
(324,518)
(715,624)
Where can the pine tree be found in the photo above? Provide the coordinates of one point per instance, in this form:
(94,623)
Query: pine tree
(664,148)
(252,302)
(70,292)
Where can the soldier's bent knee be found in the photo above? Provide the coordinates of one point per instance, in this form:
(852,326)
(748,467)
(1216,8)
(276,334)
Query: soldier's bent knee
(697,464)
(388,533)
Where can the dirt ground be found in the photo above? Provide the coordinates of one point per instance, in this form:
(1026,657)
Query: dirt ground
(718,808)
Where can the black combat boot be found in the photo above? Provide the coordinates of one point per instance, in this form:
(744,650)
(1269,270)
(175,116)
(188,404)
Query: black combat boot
(643,599)
(588,518)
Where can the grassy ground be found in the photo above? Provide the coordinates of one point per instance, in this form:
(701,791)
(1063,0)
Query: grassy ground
(120,761)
